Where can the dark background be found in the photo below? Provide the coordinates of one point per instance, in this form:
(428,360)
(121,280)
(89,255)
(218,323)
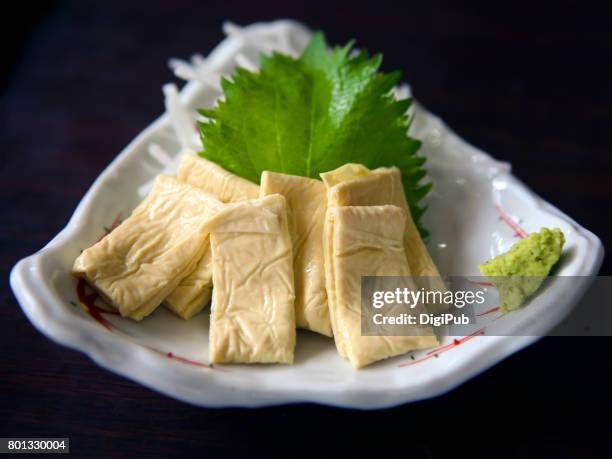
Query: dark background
(530,84)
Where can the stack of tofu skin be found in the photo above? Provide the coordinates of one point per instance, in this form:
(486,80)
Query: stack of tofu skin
(287,253)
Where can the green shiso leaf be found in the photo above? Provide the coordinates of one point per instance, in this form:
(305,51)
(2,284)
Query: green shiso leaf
(313,114)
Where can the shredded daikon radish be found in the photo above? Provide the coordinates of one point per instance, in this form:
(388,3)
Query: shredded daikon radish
(246,63)
(182,119)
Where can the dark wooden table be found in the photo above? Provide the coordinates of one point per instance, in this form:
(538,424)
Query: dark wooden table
(531,85)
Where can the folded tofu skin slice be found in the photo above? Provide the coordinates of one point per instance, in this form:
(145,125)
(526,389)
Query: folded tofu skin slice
(138,264)
(194,292)
(355,185)
(213,179)
(349,171)
(368,241)
(306,204)
(253,315)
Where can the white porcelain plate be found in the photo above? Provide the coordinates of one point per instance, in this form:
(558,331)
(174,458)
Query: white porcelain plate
(476,210)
